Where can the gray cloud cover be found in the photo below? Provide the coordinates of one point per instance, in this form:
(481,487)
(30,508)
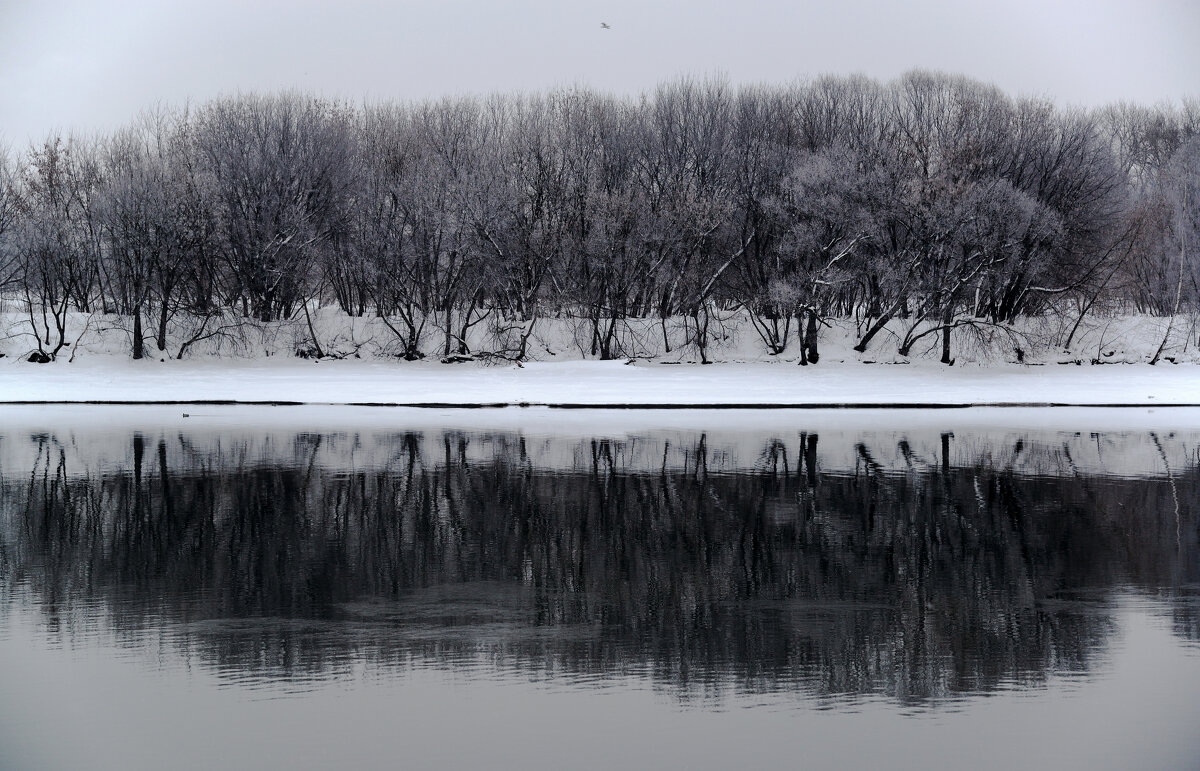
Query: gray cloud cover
(85,66)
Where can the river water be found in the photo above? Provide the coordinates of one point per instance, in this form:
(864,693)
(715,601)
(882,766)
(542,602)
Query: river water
(377,589)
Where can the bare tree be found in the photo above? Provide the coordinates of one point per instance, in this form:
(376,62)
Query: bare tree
(438,243)
(521,217)
(280,166)
(10,263)
(602,272)
(57,238)
(762,148)
(1183,192)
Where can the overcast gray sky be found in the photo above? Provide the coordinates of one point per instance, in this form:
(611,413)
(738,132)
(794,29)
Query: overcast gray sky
(85,66)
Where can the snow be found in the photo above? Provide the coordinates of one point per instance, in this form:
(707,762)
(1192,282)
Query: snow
(593,383)
(261,366)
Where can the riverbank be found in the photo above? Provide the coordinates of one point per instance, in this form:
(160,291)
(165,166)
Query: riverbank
(592,384)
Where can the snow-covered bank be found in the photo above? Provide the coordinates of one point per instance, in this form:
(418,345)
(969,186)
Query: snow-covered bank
(594,383)
(261,365)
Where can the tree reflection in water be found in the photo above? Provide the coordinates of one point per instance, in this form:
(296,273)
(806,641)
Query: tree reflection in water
(915,576)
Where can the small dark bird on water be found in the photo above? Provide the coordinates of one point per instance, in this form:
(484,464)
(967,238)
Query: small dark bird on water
(604,25)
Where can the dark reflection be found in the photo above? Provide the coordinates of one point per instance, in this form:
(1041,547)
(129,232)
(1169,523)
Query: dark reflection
(910,572)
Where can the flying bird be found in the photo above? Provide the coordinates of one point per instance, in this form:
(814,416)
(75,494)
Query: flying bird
(604,25)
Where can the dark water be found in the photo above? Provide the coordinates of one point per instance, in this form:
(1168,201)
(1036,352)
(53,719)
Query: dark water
(225,597)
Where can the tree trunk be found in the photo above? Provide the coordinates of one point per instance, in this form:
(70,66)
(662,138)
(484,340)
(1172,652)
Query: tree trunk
(701,332)
(809,348)
(312,333)
(163,316)
(1178,286)
(138,350)
(947,317)
(875,329)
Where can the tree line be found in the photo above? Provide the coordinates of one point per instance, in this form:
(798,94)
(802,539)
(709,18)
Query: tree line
(934,200)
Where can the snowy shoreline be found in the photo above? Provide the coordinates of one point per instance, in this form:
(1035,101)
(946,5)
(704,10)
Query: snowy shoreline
(596,384)
(263,368)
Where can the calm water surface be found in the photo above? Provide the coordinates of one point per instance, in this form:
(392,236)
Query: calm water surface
(202,594)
